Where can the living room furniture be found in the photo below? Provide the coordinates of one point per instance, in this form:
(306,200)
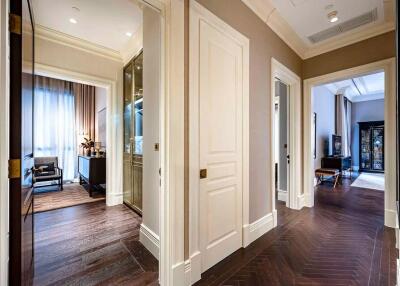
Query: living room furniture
(92,170)
(342,163)
(371,146)
(46,169)
(326,172)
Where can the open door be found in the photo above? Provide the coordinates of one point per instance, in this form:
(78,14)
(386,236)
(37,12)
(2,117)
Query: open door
(21,142)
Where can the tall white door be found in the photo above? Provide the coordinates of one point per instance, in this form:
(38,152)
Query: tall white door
(220,90)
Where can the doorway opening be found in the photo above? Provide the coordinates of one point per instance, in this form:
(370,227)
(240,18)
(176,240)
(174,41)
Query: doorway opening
(281,142)
(349,135)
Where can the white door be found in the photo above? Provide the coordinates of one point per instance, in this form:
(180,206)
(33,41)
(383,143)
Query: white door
(221,143)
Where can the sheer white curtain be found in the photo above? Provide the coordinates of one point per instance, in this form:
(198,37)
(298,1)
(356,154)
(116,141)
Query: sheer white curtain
(54,123)
(343,122)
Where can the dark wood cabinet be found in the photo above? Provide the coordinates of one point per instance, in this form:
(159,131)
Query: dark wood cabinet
(371,146)
(341,163)
(92,170)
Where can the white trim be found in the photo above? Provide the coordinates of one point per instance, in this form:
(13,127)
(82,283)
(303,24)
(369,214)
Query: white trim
(193,269)
(288,77)
(114,116)
(172,270)
(266,11)
(4,142)
(150,240)
(258,228)
(388,66)
(282,195)
(198,12)
(51,35)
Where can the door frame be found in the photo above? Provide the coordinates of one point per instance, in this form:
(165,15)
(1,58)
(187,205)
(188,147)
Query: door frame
(200,13)
(293,81)
(114,168)
(389,67)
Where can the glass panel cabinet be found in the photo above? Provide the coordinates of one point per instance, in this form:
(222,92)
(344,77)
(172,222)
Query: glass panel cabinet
(133,133)
(372,146)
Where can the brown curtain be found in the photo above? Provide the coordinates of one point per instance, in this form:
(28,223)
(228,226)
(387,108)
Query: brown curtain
(85,109)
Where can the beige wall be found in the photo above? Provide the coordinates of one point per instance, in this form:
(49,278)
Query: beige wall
(371,50)
(264,44)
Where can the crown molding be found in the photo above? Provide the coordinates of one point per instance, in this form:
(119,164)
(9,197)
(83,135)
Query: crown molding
(54,36)
(266,11)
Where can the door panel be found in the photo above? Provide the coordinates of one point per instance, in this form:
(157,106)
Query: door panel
(21,143)
(220,99)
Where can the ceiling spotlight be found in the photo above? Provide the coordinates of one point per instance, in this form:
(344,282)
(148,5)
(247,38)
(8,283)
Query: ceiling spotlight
(129,34)
(333,16)
(73,21)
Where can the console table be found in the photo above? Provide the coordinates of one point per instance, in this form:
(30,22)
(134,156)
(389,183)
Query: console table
(92,170)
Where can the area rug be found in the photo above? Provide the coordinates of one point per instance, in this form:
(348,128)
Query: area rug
(50,198)
(370,181)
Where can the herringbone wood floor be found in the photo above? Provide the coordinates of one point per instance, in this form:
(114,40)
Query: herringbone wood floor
(341,241)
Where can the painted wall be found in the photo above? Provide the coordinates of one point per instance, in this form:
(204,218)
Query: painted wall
(371,50)
(264,44)
(373,110)
(323,102)
(100,104)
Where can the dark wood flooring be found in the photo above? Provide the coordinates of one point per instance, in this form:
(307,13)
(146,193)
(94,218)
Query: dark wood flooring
(341,241)
(91,244)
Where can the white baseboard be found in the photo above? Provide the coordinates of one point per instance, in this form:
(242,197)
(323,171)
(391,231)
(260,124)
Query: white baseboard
(390,218)
(256,229)
(179,274)
(301,201)
(193,269)
(150,240)
(282,195)
(113,199)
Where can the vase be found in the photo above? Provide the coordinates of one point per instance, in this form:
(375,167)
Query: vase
(88,152)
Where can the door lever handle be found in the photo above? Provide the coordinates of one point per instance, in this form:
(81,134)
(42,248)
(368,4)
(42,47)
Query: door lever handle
(203,173)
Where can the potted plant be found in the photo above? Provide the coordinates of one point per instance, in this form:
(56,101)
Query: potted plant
(87,146)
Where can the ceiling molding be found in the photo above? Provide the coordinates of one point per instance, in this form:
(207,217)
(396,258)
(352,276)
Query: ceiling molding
(51,35)
(266,11)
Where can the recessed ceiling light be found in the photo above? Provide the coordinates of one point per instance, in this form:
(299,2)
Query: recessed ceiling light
(73,21)
(333,16)
(129,34)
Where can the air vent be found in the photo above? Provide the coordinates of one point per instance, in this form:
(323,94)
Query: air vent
(345,26)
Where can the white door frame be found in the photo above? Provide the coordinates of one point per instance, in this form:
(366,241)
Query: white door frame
(114,138)
(288,77)
(388,66)
(200,14)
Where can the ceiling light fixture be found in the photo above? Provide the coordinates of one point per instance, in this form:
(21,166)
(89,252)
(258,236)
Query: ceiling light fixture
(129,34)
(73,21)
(333,16)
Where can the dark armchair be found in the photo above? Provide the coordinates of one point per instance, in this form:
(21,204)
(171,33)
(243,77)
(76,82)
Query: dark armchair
(46,169)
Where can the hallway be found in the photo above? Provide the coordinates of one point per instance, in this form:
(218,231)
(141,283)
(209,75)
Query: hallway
(341,241)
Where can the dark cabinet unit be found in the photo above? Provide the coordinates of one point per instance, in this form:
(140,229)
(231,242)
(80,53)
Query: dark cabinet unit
(372,146)
(92,170)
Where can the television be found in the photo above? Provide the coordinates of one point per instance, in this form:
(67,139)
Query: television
(336,145)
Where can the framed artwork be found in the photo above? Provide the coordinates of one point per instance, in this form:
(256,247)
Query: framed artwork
(314,135)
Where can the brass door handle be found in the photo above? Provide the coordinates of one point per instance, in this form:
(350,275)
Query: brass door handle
(203,173)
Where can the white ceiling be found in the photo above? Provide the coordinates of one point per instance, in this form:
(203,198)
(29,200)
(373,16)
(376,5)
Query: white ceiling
(307,17)
(102,22)
(363,88)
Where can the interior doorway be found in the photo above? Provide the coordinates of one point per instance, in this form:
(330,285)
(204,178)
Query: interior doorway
(374,151)
(281,142)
